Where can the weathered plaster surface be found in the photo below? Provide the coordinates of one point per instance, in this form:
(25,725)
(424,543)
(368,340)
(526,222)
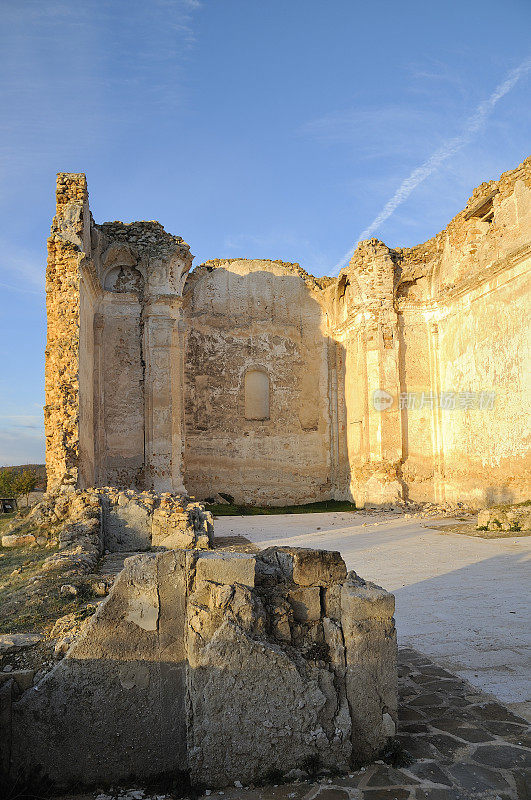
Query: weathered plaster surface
(447,316)
(254,379)
(263,316)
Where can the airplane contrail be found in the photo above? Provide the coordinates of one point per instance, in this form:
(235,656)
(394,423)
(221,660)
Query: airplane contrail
(473,125)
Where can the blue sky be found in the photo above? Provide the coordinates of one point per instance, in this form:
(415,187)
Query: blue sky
(254,128)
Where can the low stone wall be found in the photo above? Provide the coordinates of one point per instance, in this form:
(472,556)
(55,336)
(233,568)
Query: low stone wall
(140,520)
(226,666)
(505,518)
(87,522)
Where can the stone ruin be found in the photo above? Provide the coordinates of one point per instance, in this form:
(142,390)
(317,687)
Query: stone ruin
(399,380)
(86,523)
(402,379)
(225,666)
(221,666)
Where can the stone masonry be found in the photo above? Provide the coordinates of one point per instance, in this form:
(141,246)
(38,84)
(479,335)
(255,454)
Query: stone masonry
(401,379)
(226,666)
(86,523)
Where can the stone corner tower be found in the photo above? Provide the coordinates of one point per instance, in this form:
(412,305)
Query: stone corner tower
(113,376)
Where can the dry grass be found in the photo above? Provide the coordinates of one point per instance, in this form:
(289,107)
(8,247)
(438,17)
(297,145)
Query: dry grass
(30,599)
(470,529)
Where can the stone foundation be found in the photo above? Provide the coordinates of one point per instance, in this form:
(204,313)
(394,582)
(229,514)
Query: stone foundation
(227,666)
(85,523)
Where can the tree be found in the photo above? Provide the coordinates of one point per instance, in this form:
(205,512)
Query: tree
(8,478)
(25,482)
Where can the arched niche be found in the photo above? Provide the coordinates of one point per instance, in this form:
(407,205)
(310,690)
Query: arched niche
(256,387)
(124,279)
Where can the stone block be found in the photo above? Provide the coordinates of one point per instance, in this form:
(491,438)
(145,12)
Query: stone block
(365,601)
(332,601)
(306,603)
(15,642)
(188,665)
(307,567)
(333,636)
(17,540)
(176,539)
(226,568)
(127,525)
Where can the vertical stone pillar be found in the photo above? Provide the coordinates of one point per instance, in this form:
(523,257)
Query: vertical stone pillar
(163,359)
(375,451)
(99,417)
(68,245)
(371,664)
(436,419)
(384,427)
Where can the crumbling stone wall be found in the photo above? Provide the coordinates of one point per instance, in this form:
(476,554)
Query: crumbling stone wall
(223,665)
(438,327)
(470,286)
(70,235)
(113,413)
(364,324)
(87,522)
(141,520)
(261,316)
(147,389)
(139,383)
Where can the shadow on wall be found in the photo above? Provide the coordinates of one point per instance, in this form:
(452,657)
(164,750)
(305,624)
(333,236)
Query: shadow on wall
(105,721)
(498,495)
(261,409)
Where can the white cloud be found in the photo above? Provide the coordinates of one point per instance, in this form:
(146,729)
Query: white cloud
(21,270)
(390,131)
(21,439)
(473,125)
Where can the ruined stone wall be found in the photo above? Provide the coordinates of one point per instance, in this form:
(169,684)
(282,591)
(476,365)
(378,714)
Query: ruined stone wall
(441,329)
(176,670)
(256,316)
(363,322)
(70,235)
(275,387)
(471,285)
(138,382)
(114,394)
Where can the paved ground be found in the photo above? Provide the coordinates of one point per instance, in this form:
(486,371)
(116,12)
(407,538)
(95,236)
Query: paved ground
(460,599)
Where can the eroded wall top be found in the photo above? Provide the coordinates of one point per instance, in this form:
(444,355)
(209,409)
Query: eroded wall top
(494,226)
